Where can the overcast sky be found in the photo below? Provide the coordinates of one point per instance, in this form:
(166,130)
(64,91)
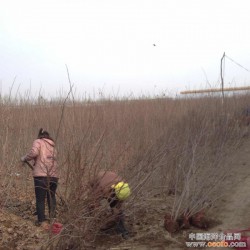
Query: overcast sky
(122,46)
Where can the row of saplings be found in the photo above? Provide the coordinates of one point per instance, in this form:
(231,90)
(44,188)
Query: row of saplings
(184,221)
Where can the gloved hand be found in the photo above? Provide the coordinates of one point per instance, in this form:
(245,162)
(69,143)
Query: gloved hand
(23,159)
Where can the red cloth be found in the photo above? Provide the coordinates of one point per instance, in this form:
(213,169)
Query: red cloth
(57,228)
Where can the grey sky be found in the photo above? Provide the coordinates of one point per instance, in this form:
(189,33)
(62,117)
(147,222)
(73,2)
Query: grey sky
(108,45)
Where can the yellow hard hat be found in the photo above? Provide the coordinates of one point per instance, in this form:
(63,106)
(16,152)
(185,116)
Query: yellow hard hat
(122,190)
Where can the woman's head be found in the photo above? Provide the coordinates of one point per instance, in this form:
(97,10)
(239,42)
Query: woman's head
(122,190)
(43,134)
(118,193)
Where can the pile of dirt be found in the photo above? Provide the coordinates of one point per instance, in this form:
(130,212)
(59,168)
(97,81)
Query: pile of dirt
(18,233)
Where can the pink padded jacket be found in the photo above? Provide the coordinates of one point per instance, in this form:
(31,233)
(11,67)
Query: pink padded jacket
(43,152)
(102,183)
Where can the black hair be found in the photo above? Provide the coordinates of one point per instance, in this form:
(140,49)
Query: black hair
(112,199)
(44,134)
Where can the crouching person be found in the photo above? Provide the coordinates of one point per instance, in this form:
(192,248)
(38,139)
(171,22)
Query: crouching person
(110,187)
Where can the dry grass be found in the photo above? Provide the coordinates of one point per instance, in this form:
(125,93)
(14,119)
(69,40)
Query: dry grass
(159,145)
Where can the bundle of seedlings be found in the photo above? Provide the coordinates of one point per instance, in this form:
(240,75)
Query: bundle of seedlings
(199,169)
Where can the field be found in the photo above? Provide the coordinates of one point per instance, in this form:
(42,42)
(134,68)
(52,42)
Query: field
(180,157)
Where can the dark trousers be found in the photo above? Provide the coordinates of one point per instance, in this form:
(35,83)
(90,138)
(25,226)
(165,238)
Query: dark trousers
(45,187)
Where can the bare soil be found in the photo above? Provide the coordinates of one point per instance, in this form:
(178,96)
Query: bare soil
(232,211)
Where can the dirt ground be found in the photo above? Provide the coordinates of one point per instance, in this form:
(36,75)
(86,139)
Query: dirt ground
(232,211)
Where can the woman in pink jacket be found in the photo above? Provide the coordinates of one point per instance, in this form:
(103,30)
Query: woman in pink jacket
(45,174)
